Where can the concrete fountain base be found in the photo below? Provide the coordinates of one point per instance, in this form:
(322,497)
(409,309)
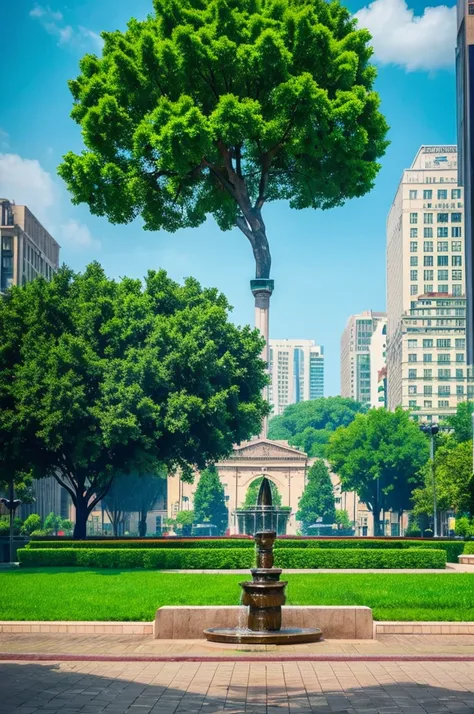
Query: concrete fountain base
(288,636)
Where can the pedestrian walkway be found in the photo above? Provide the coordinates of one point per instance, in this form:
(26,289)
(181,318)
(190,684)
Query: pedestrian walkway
(127,646)
(237,688)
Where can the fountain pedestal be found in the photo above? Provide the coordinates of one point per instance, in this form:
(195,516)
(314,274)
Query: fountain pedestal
(264,595)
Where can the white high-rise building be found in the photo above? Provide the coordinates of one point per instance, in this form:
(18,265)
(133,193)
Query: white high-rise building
(426,326)
(378,365)
(355,355)
(296,372)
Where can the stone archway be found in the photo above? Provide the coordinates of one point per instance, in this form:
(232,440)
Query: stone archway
(255,481)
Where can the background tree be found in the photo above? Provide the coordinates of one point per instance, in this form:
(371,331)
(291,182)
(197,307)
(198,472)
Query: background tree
(32,523)
(220,107)
(317,500)
(209,500)
(116,376)
(52,523)
(379,456)
(309,425)
(120,502)
(461,422)
(147,489)
(252,493)
(343,520)
(184,522)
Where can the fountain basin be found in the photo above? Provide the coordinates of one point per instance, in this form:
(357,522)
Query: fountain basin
(288,636)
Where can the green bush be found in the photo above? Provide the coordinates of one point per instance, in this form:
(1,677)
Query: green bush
(46,557)
(358,558)
(453,548)
(62,542)
(469,548)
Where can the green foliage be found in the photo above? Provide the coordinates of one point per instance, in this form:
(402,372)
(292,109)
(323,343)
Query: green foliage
(193,543)
(184,521)
(454,480)
(209,500)
(461,422)
(317,500)
(464,527)
(379,455)
(468,548)
(32,523)
(252,493)
(343,520)
(117,376)
(359,558)
(309,425)
(52,523)
(217,108)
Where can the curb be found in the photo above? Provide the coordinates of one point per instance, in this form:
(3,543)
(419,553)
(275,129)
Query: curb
(24,657)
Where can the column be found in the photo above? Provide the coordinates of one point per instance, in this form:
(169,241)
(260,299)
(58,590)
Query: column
(262,290)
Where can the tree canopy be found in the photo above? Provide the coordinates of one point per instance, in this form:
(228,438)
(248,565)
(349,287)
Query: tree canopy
(461,422)
(120,376)
(309,425)
(317,500)
(379,455)
(216,107)
(209,500)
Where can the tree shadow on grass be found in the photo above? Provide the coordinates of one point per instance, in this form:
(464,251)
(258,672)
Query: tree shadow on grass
(234,687)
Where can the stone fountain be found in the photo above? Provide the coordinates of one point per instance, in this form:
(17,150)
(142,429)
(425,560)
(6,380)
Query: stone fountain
(264,595)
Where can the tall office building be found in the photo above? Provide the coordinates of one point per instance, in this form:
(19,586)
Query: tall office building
(355,355)
(465,113)
(296,372)
(26,248)
(426,351)
(378,365)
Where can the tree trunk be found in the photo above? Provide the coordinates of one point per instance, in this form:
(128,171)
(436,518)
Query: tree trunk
(142,524)
(82,514)
(261,252)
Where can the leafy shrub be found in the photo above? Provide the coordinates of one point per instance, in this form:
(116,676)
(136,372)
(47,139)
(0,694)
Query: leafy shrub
(32,524)
(468,548)
(358,558)
(145,543)
(46,557)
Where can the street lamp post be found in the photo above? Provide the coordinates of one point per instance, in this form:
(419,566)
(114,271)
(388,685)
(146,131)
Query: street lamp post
(431,430)
(11,504)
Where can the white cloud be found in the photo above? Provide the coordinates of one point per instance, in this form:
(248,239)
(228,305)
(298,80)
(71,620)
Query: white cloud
(416,42)
(4,139)
(54,24)
(27,183)
(77,235)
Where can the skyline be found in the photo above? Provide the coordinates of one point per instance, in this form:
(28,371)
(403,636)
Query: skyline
(323,272)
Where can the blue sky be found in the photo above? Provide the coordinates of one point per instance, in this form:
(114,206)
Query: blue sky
(326,265)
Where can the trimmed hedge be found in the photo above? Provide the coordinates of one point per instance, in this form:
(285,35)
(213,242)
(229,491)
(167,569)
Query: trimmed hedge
(453,548)
(469,547)
(225,558)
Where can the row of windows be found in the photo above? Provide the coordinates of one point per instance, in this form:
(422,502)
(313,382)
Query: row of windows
(428,260)
(459,342)
(441,232)
(442,246)
(442,373)
(440,217)
(443,390)
(456,290)
(442,275)
(428,404)
(442,194)
(442,358)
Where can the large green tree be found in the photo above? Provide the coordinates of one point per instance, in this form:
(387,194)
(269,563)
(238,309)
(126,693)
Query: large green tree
(120,376)
(309,425)
(209,500)
(461,422)
(317,500)
(379,455)
(217,107)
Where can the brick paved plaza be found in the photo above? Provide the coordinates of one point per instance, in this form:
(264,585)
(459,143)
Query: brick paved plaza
(233,687)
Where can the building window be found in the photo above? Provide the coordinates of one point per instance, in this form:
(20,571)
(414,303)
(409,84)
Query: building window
(413,232)
(412,357)
(428,246)
(457,275)
(456,217)
(444,358)
(414,275)
(459,374)
(443,404)
(414,261)
(460,343)
(428,218)
(427,233)
(456,193)
(413,195)
(427,404)
(443,343)
(428,261)
(413,217)
(443,274)
(457,290)
(456,260)
(444,373)
(427,374)
(412,344)
(412,374)
(442,217)
(456,232)
(442,194)
(443,288)
(427,343)
(427,195)
(412,389)
(428,357)
(412,403)
(443,260)
(414,289)
(444,389)
(428,390)
(428,288)
(470,8)
(442,232)
(460,357)
(428,274)
(413,246)
(443,246)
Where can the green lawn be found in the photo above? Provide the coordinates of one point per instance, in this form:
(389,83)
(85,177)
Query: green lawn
(75,594)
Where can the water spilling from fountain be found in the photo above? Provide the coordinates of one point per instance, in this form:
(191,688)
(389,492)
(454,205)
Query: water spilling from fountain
(264,595)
